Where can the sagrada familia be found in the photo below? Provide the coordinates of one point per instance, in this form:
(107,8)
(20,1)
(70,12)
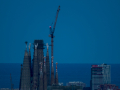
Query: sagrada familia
(37,75)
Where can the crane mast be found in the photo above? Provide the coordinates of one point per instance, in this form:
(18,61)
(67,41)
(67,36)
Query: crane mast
(52,31)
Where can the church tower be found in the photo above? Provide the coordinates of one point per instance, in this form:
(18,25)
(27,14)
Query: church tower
(56,76)
(41,78)
(40,55)
(35,69)
(45,76)
(48,66)
(29,55)
(52,72)
(25,77)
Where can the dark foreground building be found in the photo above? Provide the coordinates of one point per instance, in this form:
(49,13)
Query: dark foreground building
(108,87)
(36,75)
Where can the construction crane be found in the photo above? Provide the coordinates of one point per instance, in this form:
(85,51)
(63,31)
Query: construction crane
(11,82)
(52,30)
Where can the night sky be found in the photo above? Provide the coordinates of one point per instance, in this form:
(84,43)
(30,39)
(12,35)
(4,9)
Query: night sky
(87,31)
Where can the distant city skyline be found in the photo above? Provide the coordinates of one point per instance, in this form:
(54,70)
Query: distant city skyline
(86,31)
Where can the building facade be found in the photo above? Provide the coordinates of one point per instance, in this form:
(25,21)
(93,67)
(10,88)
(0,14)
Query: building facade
(100,74)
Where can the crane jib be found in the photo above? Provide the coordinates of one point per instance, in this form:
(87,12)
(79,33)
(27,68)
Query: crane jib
(52,30)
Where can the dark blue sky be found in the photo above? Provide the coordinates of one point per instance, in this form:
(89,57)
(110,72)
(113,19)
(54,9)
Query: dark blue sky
(87,31)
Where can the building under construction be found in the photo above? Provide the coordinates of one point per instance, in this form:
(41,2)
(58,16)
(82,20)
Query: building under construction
(36,75)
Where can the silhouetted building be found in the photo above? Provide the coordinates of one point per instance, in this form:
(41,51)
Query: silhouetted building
(37,59)
(29,55)
(41,79)
(52,72)
(45,76)
(86,88)
(36,76)
(40,53)
(25,72)
(35,70)
(56,76)
(48,66)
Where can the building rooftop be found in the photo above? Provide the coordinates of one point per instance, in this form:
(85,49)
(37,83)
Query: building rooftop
(40,44)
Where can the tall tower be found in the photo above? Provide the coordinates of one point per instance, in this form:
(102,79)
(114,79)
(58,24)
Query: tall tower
(52,72)
(45,76)
(35,69)
(25,77)
(29,55)
(48,66)
(41,78)
(56,76)
(40,55)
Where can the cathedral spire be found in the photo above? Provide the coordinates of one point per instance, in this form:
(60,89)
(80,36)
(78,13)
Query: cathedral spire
(29,46)
(35,69)
(25,77)
(52,72)
(56,75)
(41,78)
(47,46)
(47,49)
(47,65)
(26,44)
(56,66)
(29,55)
(45,76)
(26,53)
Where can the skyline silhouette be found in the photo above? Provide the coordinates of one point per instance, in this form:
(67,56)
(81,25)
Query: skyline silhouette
(86,31)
